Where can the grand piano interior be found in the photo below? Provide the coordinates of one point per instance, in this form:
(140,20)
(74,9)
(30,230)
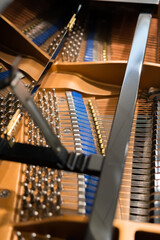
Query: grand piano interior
(78,96)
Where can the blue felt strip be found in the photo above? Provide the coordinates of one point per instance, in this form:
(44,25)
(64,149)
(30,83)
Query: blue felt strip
(39,40)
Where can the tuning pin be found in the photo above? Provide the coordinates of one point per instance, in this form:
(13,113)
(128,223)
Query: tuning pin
(39,187)
(53,90)
(45,181)
(45,196)
(58,131)
(39,173)
(44,92)
(31,195)
(23,216)
(51,173)
(34,236)
(35,214)
(52,188)
(51,204)
(41,142)
(43,210)
(34,170)
(24,202)
(37,202)
(33,183)
(30,210)
(26,190)
(59,185)
(49,96)
(58,209)
(48,236)
(58,196)
(19,236)
(57,122)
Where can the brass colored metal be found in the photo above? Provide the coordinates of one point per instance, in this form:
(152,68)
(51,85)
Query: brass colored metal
(11,127)
(71,22)
(97,128)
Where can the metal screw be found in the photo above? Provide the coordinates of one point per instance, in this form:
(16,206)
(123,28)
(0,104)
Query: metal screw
(4,193)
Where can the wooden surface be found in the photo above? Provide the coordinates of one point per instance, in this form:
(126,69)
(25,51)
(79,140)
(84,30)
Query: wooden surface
(9,179)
